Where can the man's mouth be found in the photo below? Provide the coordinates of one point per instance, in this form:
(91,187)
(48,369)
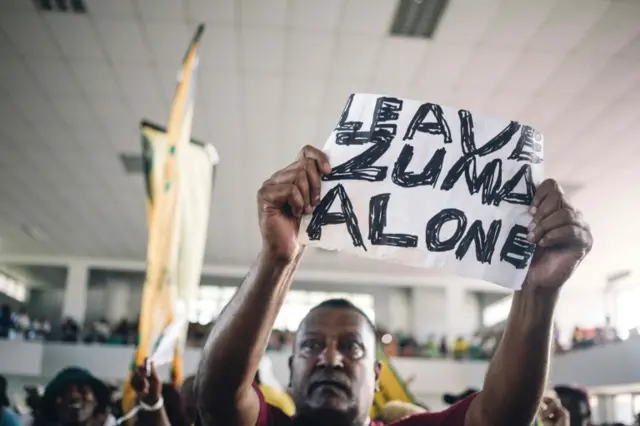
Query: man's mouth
(330,384)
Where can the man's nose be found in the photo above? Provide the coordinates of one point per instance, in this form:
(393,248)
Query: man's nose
(331,357)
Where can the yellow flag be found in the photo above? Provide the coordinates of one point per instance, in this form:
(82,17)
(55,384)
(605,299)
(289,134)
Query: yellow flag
(392,387)
(197,173)
(163,164)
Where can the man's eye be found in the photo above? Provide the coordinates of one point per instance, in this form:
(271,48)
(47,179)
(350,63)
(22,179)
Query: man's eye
(310,344)
(355,349)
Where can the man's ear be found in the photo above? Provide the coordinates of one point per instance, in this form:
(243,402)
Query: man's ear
(290,370)
(377,369)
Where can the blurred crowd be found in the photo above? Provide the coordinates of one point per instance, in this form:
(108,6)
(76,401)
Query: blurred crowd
(178,405)
(100,404)
(480,346)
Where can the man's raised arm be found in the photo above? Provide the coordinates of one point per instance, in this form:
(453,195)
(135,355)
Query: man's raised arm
(517,375)
(239,337)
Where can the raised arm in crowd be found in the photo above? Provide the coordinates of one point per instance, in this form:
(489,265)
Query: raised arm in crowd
(334,372)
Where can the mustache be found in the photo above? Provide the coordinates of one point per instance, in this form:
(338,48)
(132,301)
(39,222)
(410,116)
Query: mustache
(335,378)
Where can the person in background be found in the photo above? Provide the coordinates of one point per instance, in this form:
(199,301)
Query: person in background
(451,399)
(161,404)
(101,330)
(460,348)
(73,398)
(397,410)
(552,413)
(334,372)
(431,347)
(42,328)
(8,417)
(275,397)
(22,322)
(443,349)
(7,323)
(70,330)
(576,402)
(32,399)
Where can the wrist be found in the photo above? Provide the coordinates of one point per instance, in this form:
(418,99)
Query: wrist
(536,306)
(271,258)
(152,403)
(150,399)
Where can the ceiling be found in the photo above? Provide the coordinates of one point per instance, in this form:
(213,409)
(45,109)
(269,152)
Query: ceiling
(274,76)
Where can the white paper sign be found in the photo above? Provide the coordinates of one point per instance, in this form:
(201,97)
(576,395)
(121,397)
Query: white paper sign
(165,351)
(429,186)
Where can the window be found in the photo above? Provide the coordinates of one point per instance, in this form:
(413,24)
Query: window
(496,312)
(211,300)
(628,315)
(13,288)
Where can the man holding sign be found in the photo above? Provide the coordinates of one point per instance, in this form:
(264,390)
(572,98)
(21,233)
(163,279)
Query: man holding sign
(334,371)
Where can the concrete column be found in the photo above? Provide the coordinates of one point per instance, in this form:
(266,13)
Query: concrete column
(118,299)
(455,311)
(74,304)
(428,306)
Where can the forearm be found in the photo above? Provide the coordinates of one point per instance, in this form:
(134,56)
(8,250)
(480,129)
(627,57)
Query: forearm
(237,342)
(517,374)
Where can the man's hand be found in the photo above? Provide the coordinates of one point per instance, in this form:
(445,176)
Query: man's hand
(552,413)
(285,197)
(562,237)
(147,385)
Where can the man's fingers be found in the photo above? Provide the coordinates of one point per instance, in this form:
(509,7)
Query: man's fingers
(306,176)
(546,188)
(551,204)
(281,194)
(566,236)
(552,409)
(557,219)
(152,369)
(318,156)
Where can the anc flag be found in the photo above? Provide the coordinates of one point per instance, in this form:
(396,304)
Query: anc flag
(392,387)
(165,155)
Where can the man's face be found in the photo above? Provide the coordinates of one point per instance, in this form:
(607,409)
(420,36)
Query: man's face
(334,369)
(75,403)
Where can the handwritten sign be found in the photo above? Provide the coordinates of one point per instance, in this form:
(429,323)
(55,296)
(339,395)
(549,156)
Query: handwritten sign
(429,186)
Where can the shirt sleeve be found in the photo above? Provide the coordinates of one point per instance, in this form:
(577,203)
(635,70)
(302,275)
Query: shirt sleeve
(452,416)
(270,415)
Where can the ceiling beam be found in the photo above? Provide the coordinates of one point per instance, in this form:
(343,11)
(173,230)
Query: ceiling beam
(238,271)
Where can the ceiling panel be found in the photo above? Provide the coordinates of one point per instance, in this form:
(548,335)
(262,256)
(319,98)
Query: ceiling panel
(112,9)
(367,17)
(213,11)
(162,10)
(354,56)
(275,76)
(262,50)
(312,15)
(74,35)
(308,54)
(516,22)
(124,41)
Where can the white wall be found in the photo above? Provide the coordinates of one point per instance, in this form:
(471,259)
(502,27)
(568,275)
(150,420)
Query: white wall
(393,309)
(429,314)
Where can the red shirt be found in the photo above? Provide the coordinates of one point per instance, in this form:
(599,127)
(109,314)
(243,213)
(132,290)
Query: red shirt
(452,416)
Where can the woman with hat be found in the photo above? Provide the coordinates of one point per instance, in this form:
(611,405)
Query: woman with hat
(8,417)
(74,397)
